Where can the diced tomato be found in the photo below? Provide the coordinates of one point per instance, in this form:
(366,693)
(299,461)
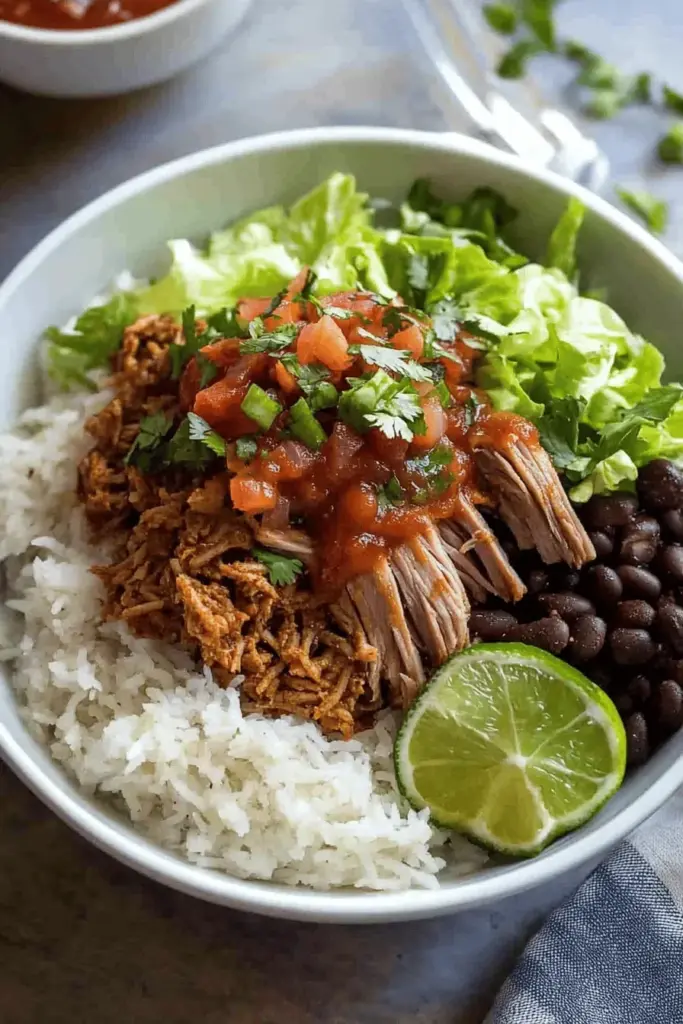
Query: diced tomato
(341,449)
(248,309)
(223,353)
(219,404)
(323,342)
(435,421)
(285,380)
(391,450)
(288,461)
(410,338)
(250,495)
(358,505)
(189,385)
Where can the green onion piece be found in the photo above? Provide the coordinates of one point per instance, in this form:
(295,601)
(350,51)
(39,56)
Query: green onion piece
(260,407)
(305,426)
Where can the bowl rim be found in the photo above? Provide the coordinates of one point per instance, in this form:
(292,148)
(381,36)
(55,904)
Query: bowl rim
(109,33)
(298,903)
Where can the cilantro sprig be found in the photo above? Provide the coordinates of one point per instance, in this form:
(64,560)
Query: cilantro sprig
(394,360)
(282,570)
(391,406)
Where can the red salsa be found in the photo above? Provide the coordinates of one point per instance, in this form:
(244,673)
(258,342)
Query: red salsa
(71,15)
(357,493)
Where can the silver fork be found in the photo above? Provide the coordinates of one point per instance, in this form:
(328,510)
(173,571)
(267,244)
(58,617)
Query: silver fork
(450,36)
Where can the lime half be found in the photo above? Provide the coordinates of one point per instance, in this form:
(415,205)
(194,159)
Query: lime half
(511,746)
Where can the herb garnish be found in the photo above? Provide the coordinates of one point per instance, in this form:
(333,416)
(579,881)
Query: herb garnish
(272,342)
(281,570)
(246,448)
(395,360)
(152,431)
(392,406)
(653,211)
(200,430)
(313,379)
(390,494)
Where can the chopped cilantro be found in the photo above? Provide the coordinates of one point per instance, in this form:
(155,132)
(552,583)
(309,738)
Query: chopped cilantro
(246,448)
(672,100)
(152,431)
(653,211)
(670,146)
(200,430)
(392,406)
(432,468)
(95,337)
(502,17)
(396,318)
(183,449)
(225,324)
(281,570)
(513,64)
(390,494)
(207,371)
(273,304)
(273,342)
(395,360)
(472,406)
(313,379)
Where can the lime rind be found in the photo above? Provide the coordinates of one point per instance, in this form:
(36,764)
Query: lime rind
(519,766)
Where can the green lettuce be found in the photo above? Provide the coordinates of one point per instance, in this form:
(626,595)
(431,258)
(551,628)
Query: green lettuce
(329,230)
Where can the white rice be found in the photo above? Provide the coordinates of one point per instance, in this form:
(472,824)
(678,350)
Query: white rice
(138,723)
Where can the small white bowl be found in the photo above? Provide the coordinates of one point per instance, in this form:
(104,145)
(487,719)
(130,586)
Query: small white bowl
(117,59)
(128,228)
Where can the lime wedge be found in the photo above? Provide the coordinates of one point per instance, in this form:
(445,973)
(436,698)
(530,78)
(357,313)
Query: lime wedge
(511,746)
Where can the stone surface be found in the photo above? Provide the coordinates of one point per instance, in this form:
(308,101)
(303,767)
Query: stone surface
(82,938)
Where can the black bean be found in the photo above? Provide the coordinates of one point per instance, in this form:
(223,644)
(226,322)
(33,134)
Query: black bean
(624,704)
(551,634)
(639,689)
(631,646)
(601,676)
(614,510)
(587,638)
(660,486)
(672,521)
(491,625)
(604,585)
(676,671)
(538,581)
(670,623)
(639,541)
(637,740)
(567,605)
(667,706)
(604,545)
(639,582)
(634,614)
(670,561)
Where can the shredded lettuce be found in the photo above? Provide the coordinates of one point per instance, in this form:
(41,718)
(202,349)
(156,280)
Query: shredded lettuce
(328,230)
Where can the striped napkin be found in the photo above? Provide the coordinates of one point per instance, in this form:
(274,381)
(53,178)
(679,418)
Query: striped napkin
(613,954)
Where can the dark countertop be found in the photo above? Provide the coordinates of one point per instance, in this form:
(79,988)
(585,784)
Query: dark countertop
(81,937)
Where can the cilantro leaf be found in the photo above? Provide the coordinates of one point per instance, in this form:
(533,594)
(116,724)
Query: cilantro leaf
(95,338)
(208,371)
(281,570)
(151,432)
(538,16)
(558,430)
(272,342)
(200,430)
(390,494)
(513,64)
(670,146)
(431,467)
(246,448)
(672,100)
(472,406)
(392,406)
(653,211)
(225,323)
(313,379)
(183,449)
(274,303)
(395,360)
(502,17)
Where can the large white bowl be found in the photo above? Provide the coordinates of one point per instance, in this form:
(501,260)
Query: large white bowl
(119,58)
(128,228)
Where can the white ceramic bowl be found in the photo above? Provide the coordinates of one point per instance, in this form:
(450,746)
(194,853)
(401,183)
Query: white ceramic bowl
(107,61)
(127,228)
